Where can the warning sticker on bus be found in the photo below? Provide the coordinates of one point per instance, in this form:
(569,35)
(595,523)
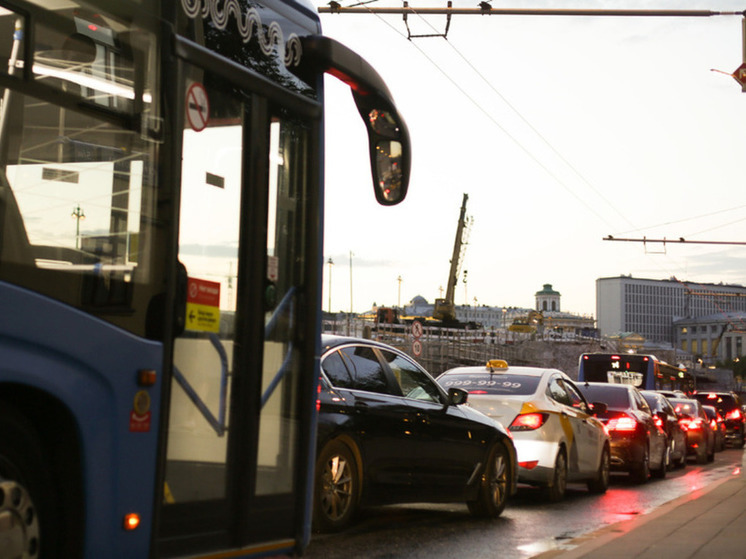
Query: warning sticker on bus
(203,306)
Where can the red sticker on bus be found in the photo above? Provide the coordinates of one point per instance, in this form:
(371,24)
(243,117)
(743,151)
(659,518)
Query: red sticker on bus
(203,292)
(139,423)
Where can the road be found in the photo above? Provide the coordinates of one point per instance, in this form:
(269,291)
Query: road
(528,526)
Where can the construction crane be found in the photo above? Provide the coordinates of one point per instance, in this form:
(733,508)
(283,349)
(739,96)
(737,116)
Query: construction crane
(445,308)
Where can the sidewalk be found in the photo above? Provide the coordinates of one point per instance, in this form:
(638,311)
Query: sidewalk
(704,524)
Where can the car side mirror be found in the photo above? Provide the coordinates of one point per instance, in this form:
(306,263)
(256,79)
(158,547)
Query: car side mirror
(599,407)
(457,396)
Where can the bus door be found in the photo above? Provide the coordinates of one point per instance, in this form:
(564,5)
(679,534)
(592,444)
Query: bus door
(237,449)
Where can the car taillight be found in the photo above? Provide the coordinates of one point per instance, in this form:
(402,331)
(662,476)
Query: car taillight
(477,392)
(658,422)
(714,424)
(528,421)
(691,424)
(734,414)
(621,424)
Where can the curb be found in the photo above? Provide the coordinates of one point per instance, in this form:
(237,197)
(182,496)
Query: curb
(582,545)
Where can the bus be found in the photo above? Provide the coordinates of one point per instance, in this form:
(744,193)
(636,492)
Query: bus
(646,372)
(161,214)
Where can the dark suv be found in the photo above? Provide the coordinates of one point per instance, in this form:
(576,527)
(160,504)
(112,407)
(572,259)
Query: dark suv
(730,407)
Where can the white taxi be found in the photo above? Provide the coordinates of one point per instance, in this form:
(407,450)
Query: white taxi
(557,438)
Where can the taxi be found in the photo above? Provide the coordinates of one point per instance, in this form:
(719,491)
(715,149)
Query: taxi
(557,438)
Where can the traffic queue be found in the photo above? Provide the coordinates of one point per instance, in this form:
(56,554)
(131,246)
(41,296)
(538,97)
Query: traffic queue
(390,432)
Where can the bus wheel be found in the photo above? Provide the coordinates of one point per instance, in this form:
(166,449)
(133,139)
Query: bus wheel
(26,491)
(336,488)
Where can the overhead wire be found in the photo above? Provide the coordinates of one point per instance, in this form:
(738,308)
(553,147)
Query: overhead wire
(515,140)
(537,133)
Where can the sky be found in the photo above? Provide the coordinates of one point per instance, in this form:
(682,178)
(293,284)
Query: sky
(562,130)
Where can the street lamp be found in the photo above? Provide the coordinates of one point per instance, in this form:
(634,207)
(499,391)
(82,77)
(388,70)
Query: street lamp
(77,214)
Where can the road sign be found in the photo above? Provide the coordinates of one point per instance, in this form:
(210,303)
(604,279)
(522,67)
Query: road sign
(197,107)
(417,348)
(417,329)
(740,76)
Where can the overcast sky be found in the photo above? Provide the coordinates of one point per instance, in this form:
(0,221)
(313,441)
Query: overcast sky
(562,130)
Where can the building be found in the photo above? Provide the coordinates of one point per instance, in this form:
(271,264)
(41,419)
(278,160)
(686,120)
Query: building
(712,338)
(547,299)
(649,307)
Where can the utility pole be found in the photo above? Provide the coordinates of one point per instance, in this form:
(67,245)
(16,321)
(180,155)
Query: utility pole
(77,214)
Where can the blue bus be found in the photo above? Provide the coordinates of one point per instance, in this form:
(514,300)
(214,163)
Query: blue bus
(161,211)
(645,372)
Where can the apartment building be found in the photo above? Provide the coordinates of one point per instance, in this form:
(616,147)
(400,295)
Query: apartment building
(649,307)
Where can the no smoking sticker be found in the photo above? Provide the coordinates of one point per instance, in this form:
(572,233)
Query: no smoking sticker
(197,107)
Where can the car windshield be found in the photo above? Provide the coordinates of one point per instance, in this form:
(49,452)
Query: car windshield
(491,383)
(614,398)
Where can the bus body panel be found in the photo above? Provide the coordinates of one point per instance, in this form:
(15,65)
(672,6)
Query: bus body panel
(95,377)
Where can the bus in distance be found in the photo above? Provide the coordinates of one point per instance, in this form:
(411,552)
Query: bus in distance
(645,372)
(161,213)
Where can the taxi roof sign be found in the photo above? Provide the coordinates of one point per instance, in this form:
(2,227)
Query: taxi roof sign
(497,364)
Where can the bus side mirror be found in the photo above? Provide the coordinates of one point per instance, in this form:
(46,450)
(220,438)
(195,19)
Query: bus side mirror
(388,136)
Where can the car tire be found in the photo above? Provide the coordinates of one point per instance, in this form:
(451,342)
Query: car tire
(600,483)
(660,473)
(711,454)
(702,454)
(641,472)
(555,492)
(336,488)
(742,442)
(494,486)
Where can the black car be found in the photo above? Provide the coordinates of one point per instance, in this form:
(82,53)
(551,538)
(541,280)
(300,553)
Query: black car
(730,407)
(700,438)
(388,433)
(638,445)
(717,424)
(664,416)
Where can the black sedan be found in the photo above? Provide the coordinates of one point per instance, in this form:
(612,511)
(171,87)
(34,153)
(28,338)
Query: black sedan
(700,438)
(638,445)
(388,433)
(665,417)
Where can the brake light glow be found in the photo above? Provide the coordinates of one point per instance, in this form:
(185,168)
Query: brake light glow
(658,422)
(691,424)
(477,392)
(623,423)
(734,414)
(530,465)
(714,424)
(528,421)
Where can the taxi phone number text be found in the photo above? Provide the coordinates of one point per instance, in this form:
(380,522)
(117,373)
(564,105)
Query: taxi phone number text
(504,384)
